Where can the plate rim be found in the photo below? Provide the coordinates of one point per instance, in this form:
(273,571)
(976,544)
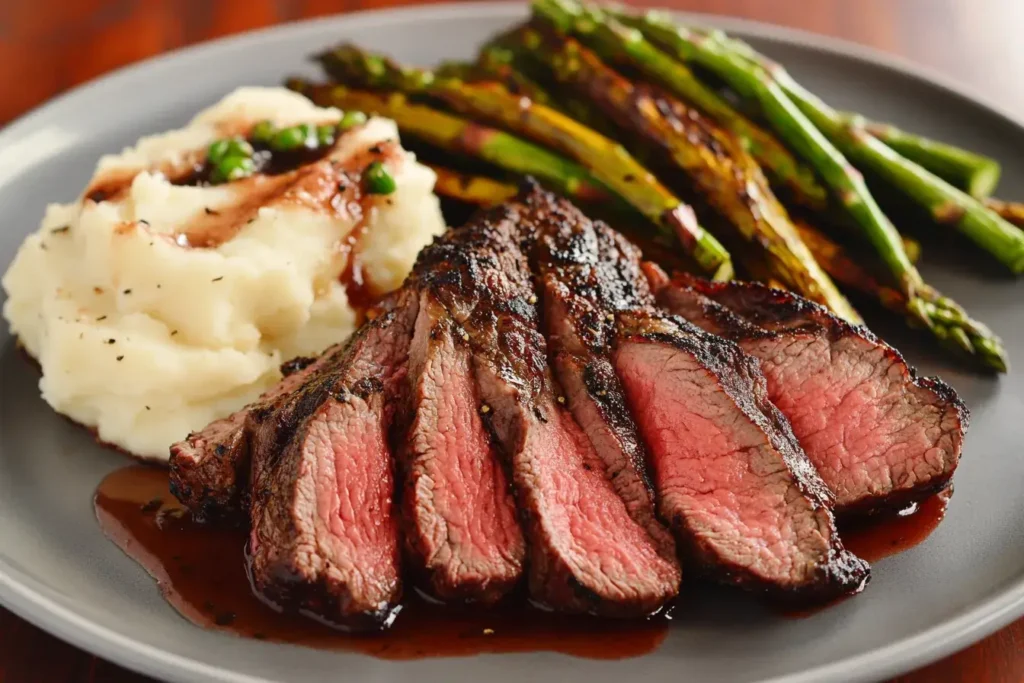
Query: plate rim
(26,597)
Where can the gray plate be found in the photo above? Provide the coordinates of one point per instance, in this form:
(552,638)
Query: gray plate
(57,570)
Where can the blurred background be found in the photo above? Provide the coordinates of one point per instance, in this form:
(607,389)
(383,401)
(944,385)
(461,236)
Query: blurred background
(48,46)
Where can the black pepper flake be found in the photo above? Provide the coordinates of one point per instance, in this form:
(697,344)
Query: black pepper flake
(147,408)
(210,212)
(120,358)
(218,279)
(174,332)
(101,318)
(127,291)
(60,230)
(42,245)
(143,221)
(250,221)
(111,341)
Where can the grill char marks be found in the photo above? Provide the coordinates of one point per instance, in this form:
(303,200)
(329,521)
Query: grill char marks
(880,437)
(746,505)
(577,264)
(459,515)
(586,554)
(210,468)
(324,539)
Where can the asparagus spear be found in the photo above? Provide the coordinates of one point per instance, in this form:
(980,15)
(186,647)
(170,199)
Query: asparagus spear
(491,65)
(973,173)
(613,42)
(1012,212)
(471,189)
(963,335)
(604,158)
(976,174)
(728,178)
(769,83)
(497,58)
(463,137)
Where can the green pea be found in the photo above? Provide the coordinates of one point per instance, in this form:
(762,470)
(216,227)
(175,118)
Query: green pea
(289,138)
(325,135)
(309,134)
(351,119)
(263,132)
(239,147)
(236,167)
(217,150)
(378,180)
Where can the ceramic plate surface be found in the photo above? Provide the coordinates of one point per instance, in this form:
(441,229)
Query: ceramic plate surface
(57,569)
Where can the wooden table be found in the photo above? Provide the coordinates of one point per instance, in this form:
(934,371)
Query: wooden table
(47,46)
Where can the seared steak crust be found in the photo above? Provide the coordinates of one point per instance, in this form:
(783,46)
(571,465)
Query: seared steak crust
(459,515)
(747,506)
(582,272)
(586,554)
(210,468)
(880,437)
(324,536)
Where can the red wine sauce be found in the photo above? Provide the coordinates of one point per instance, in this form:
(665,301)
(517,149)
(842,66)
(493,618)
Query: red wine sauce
(200,570)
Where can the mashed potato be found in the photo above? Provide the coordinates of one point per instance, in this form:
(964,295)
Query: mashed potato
(147,338)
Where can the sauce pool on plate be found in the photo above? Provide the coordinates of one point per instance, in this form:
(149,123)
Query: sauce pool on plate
(201,572)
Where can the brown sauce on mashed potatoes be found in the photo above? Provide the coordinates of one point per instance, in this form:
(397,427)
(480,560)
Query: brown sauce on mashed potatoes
(158,302)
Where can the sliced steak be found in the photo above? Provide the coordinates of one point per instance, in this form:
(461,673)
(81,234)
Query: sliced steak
(746,505)
(458,509)
(324,536)
(880,437)
(210,468)
(577,264)
(586,554)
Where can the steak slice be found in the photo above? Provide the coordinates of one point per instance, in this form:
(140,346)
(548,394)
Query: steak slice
(324,539)
(577,263)
(210,468)
(458,510)
(746,505)
(880,437)
(586,554)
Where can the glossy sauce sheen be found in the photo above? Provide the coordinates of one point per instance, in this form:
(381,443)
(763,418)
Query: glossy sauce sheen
(200,571)
(878,540)
(306,176)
